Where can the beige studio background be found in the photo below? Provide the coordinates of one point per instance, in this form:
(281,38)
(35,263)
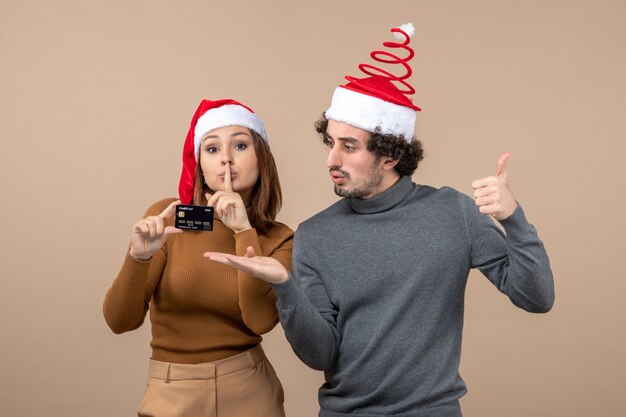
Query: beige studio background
(95,101)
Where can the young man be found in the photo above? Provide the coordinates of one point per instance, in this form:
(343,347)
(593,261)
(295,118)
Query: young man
(377,291)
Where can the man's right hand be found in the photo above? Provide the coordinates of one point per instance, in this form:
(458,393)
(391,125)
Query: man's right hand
(150,234)
(261,267)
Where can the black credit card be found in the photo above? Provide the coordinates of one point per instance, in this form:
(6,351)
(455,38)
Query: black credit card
(194,217)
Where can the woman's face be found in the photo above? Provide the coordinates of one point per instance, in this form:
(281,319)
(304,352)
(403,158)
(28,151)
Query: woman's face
(224,146)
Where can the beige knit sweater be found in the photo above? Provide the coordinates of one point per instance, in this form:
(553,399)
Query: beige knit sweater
(200,311)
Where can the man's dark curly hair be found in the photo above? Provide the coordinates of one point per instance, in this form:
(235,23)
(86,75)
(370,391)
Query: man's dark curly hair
(407,154)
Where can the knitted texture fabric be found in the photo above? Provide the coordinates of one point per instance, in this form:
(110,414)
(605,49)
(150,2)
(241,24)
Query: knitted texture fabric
(376,297)
(200,311)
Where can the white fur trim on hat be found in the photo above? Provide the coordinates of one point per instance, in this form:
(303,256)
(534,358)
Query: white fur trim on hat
(226,115)
(368,113)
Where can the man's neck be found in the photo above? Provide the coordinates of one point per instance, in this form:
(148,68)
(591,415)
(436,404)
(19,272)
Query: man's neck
(388,181)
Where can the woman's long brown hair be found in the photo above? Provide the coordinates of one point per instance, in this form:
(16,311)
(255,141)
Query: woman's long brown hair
(266,194)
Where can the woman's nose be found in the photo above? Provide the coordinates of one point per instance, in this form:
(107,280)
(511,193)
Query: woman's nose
(226,158)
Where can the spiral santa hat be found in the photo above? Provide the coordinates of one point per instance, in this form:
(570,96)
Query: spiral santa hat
(380,102)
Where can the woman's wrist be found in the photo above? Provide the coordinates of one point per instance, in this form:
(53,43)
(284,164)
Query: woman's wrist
(243,228)
(138,257)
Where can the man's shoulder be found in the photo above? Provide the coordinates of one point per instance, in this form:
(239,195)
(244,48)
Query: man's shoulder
(420,193)
(448,192)
(445,199)
(328,215)
(424,192)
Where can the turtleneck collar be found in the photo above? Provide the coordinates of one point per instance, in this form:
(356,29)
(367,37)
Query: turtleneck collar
(384,201)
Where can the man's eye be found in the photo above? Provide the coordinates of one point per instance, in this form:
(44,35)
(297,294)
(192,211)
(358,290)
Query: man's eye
(327,142)
(349,148)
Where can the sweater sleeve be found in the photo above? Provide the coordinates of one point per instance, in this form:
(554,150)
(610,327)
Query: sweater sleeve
(307,314)
(257,300)
(515,262)
(126,302)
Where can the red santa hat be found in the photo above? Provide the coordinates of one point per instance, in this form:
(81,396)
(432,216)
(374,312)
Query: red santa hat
(212,115)
(375,103)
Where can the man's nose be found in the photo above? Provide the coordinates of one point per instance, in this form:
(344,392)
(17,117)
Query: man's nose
(333,159)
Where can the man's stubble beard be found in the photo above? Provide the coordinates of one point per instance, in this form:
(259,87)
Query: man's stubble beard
(367,187)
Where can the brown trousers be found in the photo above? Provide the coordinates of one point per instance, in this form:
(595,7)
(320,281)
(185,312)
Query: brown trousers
(242,385)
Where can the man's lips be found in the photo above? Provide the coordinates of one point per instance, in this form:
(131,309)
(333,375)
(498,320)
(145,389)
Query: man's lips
(337,178)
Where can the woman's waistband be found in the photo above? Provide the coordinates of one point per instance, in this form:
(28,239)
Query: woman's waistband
(168,371)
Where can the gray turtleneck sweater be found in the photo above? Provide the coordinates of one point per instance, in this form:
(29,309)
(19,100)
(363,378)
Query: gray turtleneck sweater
(377,292)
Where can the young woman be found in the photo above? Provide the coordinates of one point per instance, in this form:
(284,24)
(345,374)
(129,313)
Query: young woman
(207,318)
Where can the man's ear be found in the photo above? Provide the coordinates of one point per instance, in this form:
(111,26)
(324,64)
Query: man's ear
(389,163)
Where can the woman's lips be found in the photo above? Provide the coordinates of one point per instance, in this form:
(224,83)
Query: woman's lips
(232,176)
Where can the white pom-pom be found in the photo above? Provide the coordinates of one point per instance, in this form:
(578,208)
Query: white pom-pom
(408,28)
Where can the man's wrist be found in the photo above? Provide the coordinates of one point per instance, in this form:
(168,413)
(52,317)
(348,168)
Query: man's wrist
(284,277)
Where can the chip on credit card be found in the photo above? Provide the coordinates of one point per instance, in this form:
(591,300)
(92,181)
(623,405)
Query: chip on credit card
(194,217)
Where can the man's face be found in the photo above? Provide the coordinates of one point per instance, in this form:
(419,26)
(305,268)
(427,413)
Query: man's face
(355,171)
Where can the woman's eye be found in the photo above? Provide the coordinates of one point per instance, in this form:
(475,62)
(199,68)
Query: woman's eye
(241,146)
(211,149)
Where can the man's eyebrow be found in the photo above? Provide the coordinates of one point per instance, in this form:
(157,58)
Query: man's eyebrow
(349,139)
(342,138)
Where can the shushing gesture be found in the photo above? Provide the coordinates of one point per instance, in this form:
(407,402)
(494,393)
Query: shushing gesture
(150,234)
(493,195)
(229,205)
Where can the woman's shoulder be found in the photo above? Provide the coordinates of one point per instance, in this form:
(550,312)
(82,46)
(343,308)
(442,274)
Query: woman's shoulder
(279,231)
(158,206)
